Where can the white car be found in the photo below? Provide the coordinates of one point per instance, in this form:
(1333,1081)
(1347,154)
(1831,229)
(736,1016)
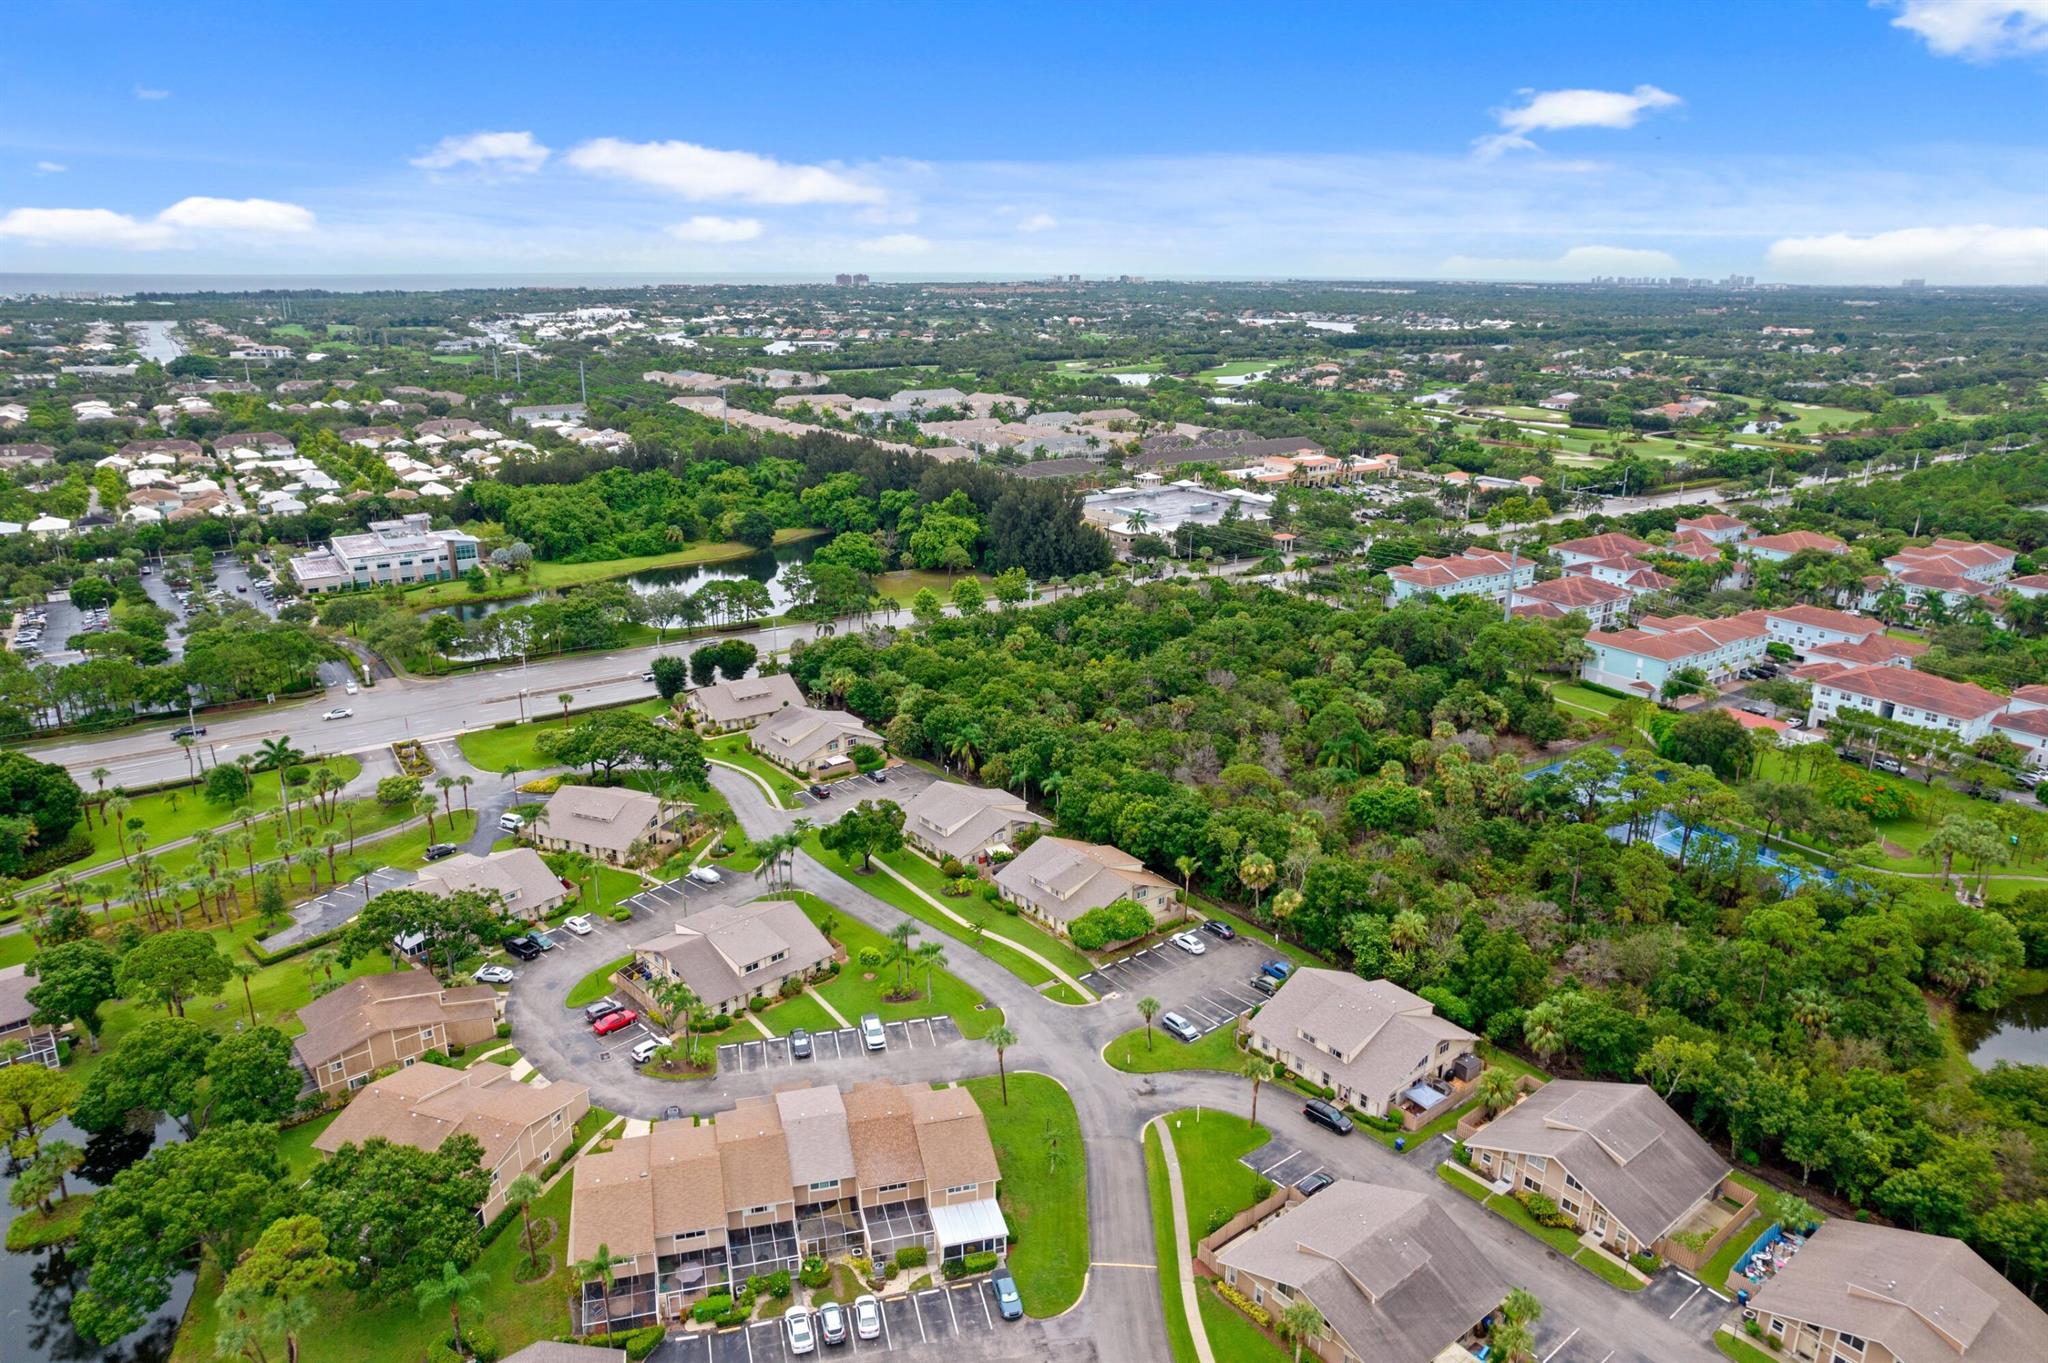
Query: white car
(704,875)
(1188,942)
(796,1321)
(350,688)
(338,712)
(493,974)
(867,1317)
(578,925)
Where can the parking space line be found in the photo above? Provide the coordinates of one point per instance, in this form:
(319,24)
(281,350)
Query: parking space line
(952,1313)
(1268,1170)
(1560,1346)
(919,1313)
(982,1297)
(1696,1290)
(748,1336)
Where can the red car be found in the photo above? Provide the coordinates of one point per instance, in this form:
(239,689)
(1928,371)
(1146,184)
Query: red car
(612,1022)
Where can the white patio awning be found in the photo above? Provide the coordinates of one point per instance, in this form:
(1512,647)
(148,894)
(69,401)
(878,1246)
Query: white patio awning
(968,1223)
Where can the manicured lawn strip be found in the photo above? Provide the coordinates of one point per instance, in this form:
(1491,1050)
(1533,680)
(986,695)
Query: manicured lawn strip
(1579,698)
(1134,1053)
(1217,1185)
(543,576)
(1470,1187)
(610,888)
(392,1329)
(1604,1267)
(1167,1251)
(802,1011)
(1715,1271)
(513,746)
(15,948)
(1044,1191)
(1014,926)
(295,1144)
(1232,1336)
(596,984)
(1060,993)
(1741,1350)
(32,1230)
(737,750)
(162,823)
(1564,1241)
(408,850)
(853,996)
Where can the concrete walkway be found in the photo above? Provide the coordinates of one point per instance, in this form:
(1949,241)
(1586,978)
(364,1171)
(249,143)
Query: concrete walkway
(1062,976)
(774,801)
(1184,1247)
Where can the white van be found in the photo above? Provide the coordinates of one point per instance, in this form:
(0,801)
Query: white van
(645,1047)
(510,823)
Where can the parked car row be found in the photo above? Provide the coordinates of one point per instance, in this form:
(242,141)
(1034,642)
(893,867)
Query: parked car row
(804,1328)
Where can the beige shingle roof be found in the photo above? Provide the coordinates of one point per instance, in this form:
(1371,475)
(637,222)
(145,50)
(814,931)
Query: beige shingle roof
(423,1105)
(1379,1031)
(952,1138)
(374,1004)
(749,698)
(883,1135)
(711,950)
(598,816)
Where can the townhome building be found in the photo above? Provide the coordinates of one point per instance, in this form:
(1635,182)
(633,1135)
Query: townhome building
(380,1021)
(741,704)
(1778,548)
(729,955)
(949,819)
(1636,576)
(1056,880)
(1382,1049)
(1806,628)
(1716,527)
(18,1026)
(606,822)
(518,877)
(1643,659)
(1928,702)
(1476,572)
(1604,604)
(810,741)
(1594,548)
(1970,559)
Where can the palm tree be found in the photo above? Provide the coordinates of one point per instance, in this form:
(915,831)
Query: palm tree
(1187,866)
(900,951)
(931,956)
(99,776)
(1497,1089)
(1002,1038)
(1408,931)
(279,754)
(322,963)
(1256,872)
(457,1290)
(598,1268)
(564,698)
(1300,1323)
(242,970)
(424,807)
(444,784)
(118,808)
(521,1193)
(465,782)
(1258,1069)
(1148,1008)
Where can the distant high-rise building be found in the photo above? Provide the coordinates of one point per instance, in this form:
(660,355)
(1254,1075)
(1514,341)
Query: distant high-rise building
(860,281)
(843,280)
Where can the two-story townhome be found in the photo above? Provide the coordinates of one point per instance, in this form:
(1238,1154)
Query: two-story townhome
(1383,1049)
(521,1127)
(812,742)
(1969,559)
(1928,702)
(376,1022)
(1778,548)
(742,704)
(1642,660)
(606,822)
(1476,572)
(1634,575)
(17,1020)
(733,953)
(1613,1157)
(949,819)
(1604,604)
(1594,548)
(517,876)
(1716,527)
(1805,629)
(1056,880)
(1862,1293)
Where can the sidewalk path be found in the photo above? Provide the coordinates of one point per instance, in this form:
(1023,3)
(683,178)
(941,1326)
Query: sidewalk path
(1184,1248)
(1062,976)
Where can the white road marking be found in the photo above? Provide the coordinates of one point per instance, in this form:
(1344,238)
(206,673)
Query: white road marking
(955,1315)
(1560,1346)
(1268,1170)
(1696,1290)
(920,1321)
(987,1319)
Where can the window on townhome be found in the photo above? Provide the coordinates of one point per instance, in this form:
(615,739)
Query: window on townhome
(1573,1183)
(825,1185)
(691,1235)
(758,1211)
(557,1119)
(962,1188)
(427,1035)
(1538,1161)
(337,1067)
(1533,1185)
(892,1187)
(1854,1343)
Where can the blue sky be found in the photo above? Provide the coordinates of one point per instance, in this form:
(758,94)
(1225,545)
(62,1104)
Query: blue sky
(1828,141)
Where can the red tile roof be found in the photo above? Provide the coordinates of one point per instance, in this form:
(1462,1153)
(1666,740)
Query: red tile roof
(1796,541)
(1712,522)
(1902,686)
(1819,617)
(1574,593)
(1610,545)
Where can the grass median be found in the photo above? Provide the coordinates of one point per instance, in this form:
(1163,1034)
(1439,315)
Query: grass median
(1167,1251)
(1037,1139)
(1137,1052)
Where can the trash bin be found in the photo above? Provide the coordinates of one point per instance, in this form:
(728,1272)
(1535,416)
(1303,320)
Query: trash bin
(1400,1143)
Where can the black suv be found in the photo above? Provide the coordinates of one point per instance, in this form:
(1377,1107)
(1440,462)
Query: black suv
(188,731)
(438,850)
(799,1044)
(525,948)
(1326,1115)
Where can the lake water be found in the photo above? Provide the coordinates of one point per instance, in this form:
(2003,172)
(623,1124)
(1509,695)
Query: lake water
(765,565)
(2017,1032)
(155,341)
(36,1289)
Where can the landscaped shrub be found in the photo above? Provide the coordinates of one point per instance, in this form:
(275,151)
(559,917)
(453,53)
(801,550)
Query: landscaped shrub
(912,1256)
(1645,1263)
(504,1030)
(1256,1314)
(483,1345)
(1119,921)
(711,1308)
(958,887)
(951,867)
(870,958)
(1262,1188)
(775,1284)
(816,1272)
(790,987)
(1543,1211)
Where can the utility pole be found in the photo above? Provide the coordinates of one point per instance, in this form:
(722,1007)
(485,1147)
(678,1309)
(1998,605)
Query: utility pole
(583,383)
(516,380)
(495,376)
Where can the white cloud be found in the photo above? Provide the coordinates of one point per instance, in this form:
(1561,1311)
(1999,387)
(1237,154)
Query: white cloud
(715,230)
(515,151)
(1977,254)
(1557,110)
(1038,222)
(83,227)
(144,92)
(237,215)
(896,244)
(1977,30)
(1580,262)
(51,168)
(696,172)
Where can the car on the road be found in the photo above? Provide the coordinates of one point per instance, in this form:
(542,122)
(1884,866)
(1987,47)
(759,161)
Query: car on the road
(818,792)
(613,1022)
(1763,710)
(1277,969)
(1217,928)
(437,850)
(577,924)
(871,1034)
(832,1323)
(867,1316)
(510,823)
(796,1323)
(1176,1025)
(1188,942)
(799,1044)
(493,974)
(647,676)
(704,875)
(1313,1184)
(338,712)
(1265,984)
(1326,1115)
(242,587)
(189,731)
(602,1007)
(351,688)
(524,947)
(1007,1301)
(1890,765)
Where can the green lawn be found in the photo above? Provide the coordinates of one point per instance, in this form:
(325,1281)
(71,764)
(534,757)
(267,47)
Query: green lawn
(1564,1241)
(296,1144)
(512,748)
(610,888)
(596,984)
(1217,1186)
(802,1011)
(408,850)
(1575,697)
(1037,1138)
(1231,1335)
(542,576)
(181,812)
(853,994)
(391,1329)
(735,750)
(32,1230)
(1741,1350)
(1019,929)
(1136,1053)
(1167,1250)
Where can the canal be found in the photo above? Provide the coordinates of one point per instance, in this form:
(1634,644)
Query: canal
(766,566)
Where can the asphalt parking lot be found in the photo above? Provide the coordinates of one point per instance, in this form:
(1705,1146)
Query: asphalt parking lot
(841,1047)
(1685,1300)
(674,898)
(1283,1161)
(946,1322)
(339,904)
(1211,990)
